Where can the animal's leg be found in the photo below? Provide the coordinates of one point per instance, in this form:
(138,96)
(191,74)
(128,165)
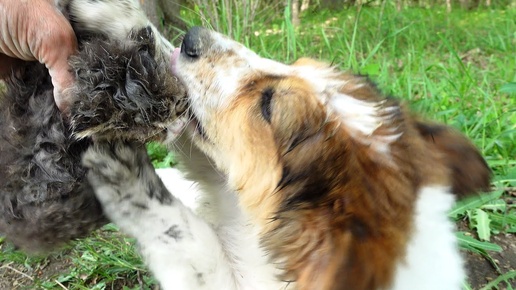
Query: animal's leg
(182,250)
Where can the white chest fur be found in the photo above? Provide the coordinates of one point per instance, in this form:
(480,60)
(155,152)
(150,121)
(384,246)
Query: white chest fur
(238,237)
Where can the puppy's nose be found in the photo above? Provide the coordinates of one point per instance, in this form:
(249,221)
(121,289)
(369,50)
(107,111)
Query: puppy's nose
(195,42)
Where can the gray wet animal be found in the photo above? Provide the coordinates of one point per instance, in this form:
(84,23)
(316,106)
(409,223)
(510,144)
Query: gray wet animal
(124,90)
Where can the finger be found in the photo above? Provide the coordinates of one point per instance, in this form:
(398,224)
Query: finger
(53,49)
(36,30)
(15,18)
(62,80)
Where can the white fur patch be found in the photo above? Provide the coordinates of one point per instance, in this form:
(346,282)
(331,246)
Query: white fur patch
(219,206)
(357,114)
(361,118)
(114,18)
(185,190)
(433,259)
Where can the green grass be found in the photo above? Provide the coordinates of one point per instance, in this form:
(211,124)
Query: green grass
(105,260)
(455,68)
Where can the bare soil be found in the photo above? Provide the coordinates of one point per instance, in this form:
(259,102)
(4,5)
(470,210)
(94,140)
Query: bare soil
(481,270)
(15,276)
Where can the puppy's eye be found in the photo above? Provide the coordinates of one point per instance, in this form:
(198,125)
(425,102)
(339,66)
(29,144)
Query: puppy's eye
(265,103)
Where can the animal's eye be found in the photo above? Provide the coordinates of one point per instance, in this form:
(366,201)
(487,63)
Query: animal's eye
(265,103)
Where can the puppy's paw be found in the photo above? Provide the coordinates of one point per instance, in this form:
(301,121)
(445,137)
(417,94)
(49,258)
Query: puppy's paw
(114,163)
(124,180)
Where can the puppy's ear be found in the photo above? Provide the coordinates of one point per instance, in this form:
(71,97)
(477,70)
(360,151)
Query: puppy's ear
(470,172)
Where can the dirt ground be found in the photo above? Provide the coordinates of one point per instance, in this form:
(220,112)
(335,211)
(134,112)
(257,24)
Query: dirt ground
(481,271)
(14,276)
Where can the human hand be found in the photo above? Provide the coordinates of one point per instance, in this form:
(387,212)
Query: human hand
(36,30)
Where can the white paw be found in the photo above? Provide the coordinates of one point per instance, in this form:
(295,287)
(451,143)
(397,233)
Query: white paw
(123,179)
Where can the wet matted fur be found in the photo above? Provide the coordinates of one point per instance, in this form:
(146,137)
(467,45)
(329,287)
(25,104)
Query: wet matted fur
(307,178)
(124,89)
(44,199)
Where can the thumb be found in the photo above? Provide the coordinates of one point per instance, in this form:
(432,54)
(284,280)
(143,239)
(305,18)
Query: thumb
(62,80)
(52,42)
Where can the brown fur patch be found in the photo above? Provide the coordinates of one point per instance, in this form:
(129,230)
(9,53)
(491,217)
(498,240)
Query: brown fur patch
(333,211)
(335,207)
(328,167)
(470,172)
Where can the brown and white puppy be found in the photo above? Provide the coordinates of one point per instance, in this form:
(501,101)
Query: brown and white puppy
(305,177)
(348,189)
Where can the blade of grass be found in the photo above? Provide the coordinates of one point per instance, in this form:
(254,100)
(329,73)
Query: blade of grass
(502,278)
(462,206)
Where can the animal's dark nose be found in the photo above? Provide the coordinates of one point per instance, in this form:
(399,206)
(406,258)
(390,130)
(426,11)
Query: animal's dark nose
(195,42)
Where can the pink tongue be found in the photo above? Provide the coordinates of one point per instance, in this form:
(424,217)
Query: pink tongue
(173,59)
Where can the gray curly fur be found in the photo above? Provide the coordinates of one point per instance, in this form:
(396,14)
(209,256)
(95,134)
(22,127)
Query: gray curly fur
(44,200)
(124,90)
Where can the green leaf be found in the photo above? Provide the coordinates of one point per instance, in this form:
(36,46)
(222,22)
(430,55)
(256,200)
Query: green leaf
(474,202)
(372,69)
(156,151)
(99,286)
(167,162)
(160,156)
(509,88)
(498,205)
(482,224)
(505,277)
(509,177)
(466,286)
(469,242)
(88,257)
(505,222)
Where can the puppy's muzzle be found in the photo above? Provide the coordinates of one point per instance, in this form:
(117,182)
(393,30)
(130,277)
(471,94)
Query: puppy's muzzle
(196,42)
